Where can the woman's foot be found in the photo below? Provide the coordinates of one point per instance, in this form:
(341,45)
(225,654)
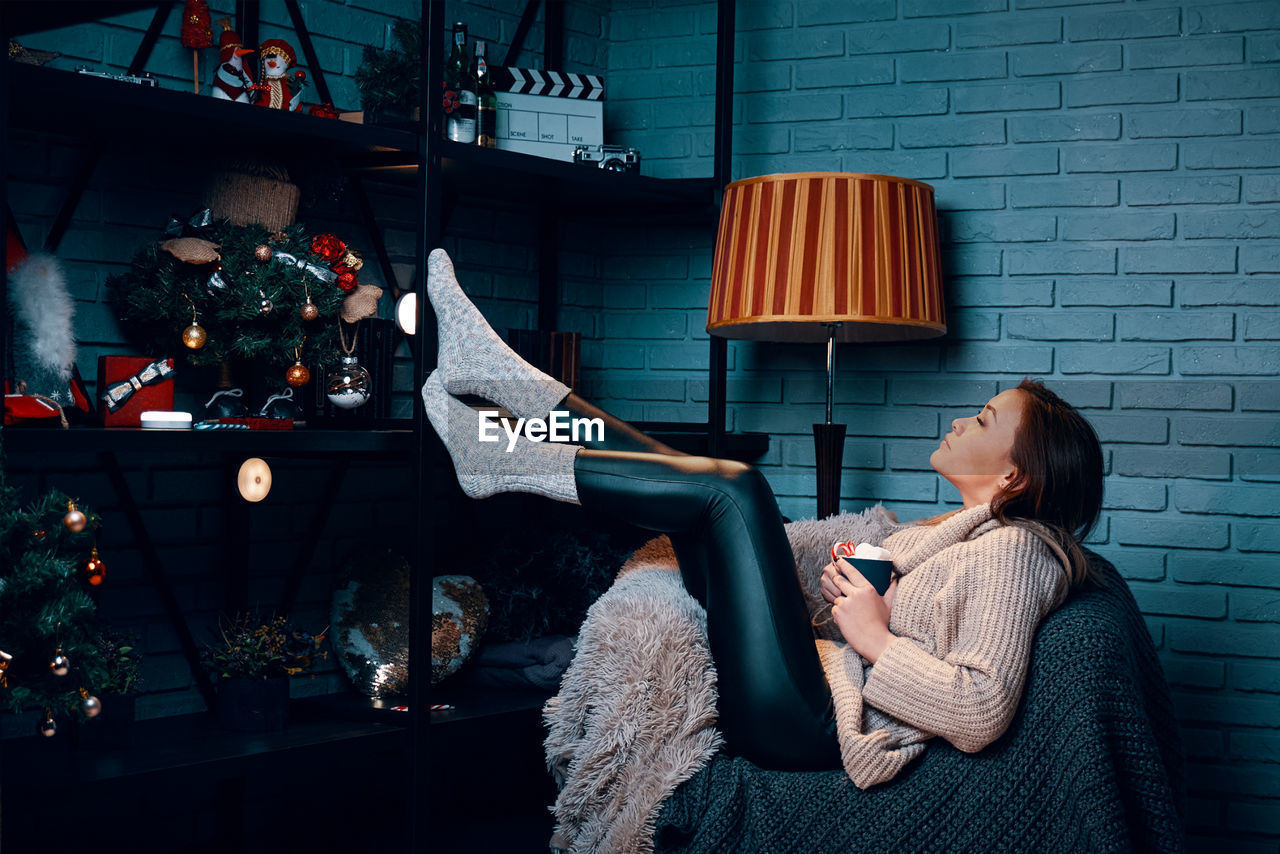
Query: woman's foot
(485,468)
(473,359)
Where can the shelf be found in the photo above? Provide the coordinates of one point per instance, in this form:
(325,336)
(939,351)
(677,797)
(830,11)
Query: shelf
(183,743)
(117,114)
(263,443)
(23,18)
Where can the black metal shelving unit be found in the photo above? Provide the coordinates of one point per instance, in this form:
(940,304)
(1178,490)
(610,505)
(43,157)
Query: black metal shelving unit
(440,173)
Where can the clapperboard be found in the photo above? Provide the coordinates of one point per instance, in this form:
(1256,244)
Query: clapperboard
(548,113)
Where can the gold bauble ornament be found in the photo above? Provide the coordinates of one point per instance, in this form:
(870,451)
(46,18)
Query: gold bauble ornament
(309,310)
(297,375)
(74,520)
(194,336)
(60,664)
(262,252)
(47,726)
(265,306)
(89,704)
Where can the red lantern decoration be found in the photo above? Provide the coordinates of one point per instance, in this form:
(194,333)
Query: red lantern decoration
(197,28)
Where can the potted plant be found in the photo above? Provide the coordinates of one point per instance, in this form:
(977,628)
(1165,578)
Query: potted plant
(390,80)
(252,660)
(120,682)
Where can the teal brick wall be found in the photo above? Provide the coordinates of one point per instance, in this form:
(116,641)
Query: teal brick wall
(1107,177)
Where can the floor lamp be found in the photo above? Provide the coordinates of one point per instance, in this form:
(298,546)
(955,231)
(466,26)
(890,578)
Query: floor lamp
(827,256)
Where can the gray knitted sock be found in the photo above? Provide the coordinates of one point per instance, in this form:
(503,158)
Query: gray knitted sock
(473,359)
(486,468)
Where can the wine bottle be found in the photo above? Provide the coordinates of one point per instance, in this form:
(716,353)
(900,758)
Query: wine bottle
(486,101)
(459,91)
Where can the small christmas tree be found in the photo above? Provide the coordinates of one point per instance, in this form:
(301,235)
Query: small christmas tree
(48,653)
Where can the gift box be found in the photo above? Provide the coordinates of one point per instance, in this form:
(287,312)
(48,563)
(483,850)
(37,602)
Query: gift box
(130,385)
(548,113)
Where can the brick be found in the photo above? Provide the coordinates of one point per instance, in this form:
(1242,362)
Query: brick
(1199,361)
(843,72)
(1142,88)
(1178,259)
(1133,495)
(884,486)
(1004,161)
(969,196)
(1065,193)
(922,165)
(1264,48)
(1264,120)
(1220,499)
(1234,154)
(1181,53)
(897,101)
(1259,396)
(927,8)
(974,326)
(814,390)
(1260,259)
(1162,600)
(1118,226)
(1130,157)
(1173,534)
(1093,26)
(1136,564)
(1064,127)
(858,455)
(1001,228)
(1037,260)
(942,392)
(1238,431)
(985,292)
(1118,292)
(1176,326)
(1020,29)
(1236,639)
(1184,122)
(1196,673)
(1254,817)
(949,66)
(972,261)
(1233,292)
(766,45)
(852,136)
(757,77)
(898,38)
(1252,606)
(681,52)
(1060,326)
(1181,394)
(1262,327)
(642,26)
(1001,360)
(1085,359)
(1255,465)
(1172,463)
(1066,59)
(636,389)
(817,12)
(1169,190)
(1230,85)
(1256,536)
(798,108)
(1262,188)
(651,84)
(1144,430)
(765,139)
(1040,4)
(1233,17)
(1256,676)
(929,133)
(1230,224)
(644,325)
(1003,97)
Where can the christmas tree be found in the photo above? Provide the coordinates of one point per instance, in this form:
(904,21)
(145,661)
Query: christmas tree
(49,655)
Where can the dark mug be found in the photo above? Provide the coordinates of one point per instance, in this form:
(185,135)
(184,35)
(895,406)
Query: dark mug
(878,572)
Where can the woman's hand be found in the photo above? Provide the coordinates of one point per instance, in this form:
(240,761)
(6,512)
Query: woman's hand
(861,614)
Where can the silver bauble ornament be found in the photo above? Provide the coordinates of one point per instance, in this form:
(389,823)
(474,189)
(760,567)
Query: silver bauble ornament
(348,386)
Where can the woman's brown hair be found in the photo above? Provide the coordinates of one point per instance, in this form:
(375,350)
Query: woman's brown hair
(1059,476)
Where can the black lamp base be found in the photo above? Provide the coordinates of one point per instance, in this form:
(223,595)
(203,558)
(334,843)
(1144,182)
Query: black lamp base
(828,446)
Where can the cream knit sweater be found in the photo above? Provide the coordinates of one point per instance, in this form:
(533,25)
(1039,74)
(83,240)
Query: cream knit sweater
(971,594)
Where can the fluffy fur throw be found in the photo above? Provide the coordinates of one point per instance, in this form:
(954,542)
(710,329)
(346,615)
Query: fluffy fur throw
(636,712)
(39,299)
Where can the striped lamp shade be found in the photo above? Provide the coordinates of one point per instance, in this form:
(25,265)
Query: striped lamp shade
(798,250)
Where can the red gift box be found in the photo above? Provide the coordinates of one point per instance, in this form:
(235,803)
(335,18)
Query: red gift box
(147,389)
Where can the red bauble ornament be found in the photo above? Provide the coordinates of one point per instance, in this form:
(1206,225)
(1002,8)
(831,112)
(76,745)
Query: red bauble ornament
(328,247)
(196,25)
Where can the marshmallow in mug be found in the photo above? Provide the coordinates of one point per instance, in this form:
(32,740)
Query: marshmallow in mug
(862,551)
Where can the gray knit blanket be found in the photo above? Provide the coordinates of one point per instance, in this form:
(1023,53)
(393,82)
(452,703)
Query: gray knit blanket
(1091,762)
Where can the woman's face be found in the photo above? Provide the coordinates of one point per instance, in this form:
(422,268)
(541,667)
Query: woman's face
(974,456)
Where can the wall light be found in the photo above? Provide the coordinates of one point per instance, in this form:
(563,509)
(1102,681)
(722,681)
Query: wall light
(407,312)
(254,480)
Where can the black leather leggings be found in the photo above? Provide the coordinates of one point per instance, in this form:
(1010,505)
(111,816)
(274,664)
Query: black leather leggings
(736,560)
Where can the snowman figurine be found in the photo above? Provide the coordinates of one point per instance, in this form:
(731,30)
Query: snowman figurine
(231,81)
(275,89)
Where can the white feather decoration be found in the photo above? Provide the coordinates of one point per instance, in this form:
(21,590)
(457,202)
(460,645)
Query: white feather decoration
(39,298)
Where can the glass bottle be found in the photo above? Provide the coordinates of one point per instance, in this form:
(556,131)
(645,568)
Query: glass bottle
(486,101)
(459,91)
